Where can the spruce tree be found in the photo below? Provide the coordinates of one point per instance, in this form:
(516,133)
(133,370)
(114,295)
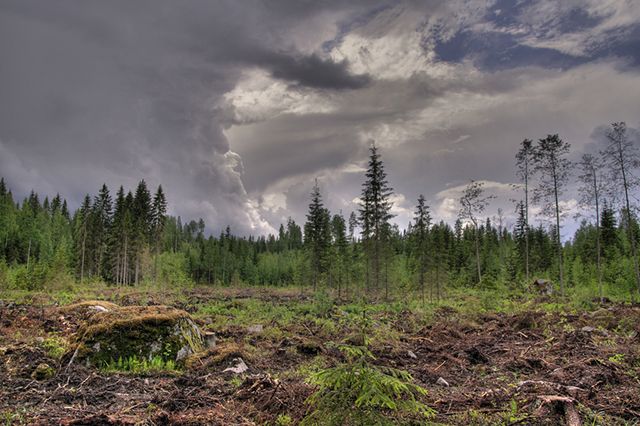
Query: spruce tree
(158,219)
(375,214)
(339,230)
(82,225)
(609,232)
(317,235)
(420,234)
(142,219)
(101,222)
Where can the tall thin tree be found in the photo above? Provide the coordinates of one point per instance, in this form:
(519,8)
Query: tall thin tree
(375,213)
(158,219)
(591,189)
(420,234)
(473,203)
(622,157)
(316,231)
(553,168)
(524,160)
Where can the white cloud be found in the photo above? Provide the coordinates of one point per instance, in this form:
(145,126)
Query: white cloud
(259,97)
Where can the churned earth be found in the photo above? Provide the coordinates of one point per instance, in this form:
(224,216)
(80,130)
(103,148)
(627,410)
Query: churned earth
(524,362)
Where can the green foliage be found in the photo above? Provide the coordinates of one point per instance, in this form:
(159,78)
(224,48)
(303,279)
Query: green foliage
(284,420)
(172,270)
(617,358)
(55,347)
(357,392)
(140,366)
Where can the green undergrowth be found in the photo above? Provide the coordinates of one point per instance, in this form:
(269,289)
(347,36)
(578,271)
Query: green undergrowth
(356,391)
(54,346)
(140,366)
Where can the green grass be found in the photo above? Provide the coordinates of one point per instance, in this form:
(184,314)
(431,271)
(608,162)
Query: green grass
(140,366)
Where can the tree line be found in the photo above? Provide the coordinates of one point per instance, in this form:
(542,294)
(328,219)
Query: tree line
(129,239)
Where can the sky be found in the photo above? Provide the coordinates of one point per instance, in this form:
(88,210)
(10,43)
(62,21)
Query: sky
(235,107)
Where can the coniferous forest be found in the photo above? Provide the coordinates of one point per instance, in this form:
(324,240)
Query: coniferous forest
(126,238)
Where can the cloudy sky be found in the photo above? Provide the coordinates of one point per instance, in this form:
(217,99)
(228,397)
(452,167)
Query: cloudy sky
(235,107)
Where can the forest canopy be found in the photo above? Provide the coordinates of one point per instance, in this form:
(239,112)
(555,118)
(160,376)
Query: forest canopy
(127,238)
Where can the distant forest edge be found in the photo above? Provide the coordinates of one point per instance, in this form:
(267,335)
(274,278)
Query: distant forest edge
(130,240)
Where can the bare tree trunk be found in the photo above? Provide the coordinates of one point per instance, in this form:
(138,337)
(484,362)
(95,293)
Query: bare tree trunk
(137,270)
(599,265)
(630,229)
(438,282)
(125,263)
(28,254)
(477,239)
(558,242)
(526,220)
(84,239)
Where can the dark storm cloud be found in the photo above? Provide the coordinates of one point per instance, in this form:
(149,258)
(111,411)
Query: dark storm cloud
(315,72)
(116,91)
(119,91)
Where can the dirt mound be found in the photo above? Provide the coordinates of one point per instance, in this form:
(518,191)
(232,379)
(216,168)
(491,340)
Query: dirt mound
(140,332)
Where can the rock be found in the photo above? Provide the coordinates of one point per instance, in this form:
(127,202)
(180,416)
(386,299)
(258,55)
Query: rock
(543,287)
(210,339)
(412,355)
(442,382)
(141,332)
(43,372)
(238,368)
(89,307)
(255,329)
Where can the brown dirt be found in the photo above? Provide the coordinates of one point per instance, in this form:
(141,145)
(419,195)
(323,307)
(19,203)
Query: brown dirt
(552,367)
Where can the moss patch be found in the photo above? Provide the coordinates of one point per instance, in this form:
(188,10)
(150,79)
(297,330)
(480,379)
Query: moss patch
(140,332)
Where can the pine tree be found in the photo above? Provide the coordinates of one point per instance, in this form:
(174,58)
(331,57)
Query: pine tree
(622,157)
(375,214)
(524,160)
(553,170)
(472,204)
(591,189)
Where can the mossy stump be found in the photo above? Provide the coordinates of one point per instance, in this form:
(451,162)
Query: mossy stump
(139,332)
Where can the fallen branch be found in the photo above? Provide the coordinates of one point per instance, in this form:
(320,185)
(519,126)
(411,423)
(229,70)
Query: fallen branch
(571,415)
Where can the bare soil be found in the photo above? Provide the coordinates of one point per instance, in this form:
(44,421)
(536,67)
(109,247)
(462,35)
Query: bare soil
(531,367)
